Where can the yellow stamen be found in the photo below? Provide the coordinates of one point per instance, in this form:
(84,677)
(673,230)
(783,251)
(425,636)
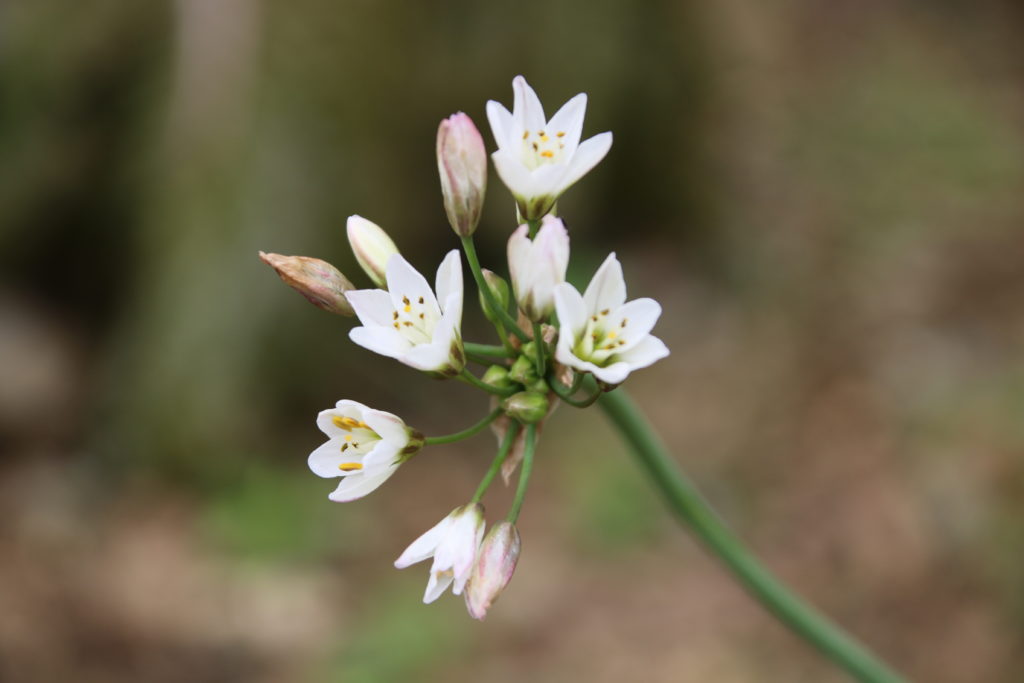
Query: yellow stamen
(407,308)
(346,423)
(526,134)
(612,335)
(544,137)
(350,466)
(560,133)
(348,437)
(547,153)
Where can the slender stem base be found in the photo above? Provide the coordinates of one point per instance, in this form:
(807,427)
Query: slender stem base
(695,513)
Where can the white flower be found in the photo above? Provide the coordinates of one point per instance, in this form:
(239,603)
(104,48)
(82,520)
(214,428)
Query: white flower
(602,333)
(538,265)
(407,323)
(538,159)
(364,448)
(452,543)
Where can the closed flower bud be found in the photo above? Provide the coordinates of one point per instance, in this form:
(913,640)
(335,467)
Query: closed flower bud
(528,407)
(537,265)
(320,282)
(497,376)
(499,288)
(523,370)
(496,561)
(372,248)
(462,164)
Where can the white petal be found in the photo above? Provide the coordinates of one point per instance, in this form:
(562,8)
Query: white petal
(449,280)
(615,373)
(406,281)
(647,351)
(383,340)
(372,306)
(569,120)
(519,261)
(587,156)
(572,313)
(607,289)
(463,562)
(325,459)
(424,546)
(513,173)
(527,110)
(390,427)
(641,314)
(501,123)
(355,487)
(436,586)
(343,408)
(552,243)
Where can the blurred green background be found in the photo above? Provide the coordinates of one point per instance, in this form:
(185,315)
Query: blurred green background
(826,198)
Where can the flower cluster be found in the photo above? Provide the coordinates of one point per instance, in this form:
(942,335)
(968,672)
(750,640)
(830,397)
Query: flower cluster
(554,341)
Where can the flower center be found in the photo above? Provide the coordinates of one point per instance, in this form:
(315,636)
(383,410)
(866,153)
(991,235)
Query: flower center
(602,338)
(415,320)
(541,147)
(359,441)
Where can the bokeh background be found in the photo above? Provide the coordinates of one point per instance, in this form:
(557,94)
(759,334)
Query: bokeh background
(826,198)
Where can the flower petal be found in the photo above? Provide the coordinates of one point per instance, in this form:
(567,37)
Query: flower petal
(502,127)
(587,156)
(383,340)
(513,173)
(519,258)
(358,486)
(404,281)
(449,280)
(325,459)
(437,585)
(343,408)
(388,426)
(572,313)
(641,315)
(424,546)
(646,352)
(607,289)
(569,120)
(527,111)
(372,306)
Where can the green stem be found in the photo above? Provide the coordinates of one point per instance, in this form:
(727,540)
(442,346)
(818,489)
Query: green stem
(487,350)
(524,473)
(492,303)
(469,378)
(465,433)
(538,344)
(506,446)
(534,226)
(566,393)
(694,512)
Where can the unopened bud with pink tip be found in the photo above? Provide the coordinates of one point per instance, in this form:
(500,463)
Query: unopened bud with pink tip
(320,282)
(495,563)
(462,164)
(372,248)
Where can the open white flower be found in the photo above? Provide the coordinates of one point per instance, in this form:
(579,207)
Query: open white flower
(452,543)
(539,159)
(603,334)
(537,265)
(408,323)
(364,448)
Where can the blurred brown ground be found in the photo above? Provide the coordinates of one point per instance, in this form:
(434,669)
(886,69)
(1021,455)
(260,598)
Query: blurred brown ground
(826,198)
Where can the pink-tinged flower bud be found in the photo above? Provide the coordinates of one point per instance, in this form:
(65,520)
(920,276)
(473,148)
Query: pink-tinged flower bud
(320,282)
(462,164)
(372,248)
(496,561)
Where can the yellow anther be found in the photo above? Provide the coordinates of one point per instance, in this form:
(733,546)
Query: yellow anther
(348,437)
(547,153)
(350,466)
(605,311)
(407,308)
(611,335)
(560,133)
(346,423)
(526,134)
(544,137)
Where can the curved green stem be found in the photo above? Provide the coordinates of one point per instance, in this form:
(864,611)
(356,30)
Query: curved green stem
(469,378)
(695,513)
(487,350)
(565,393)
(465,433)
(474,266)
(506,446)
(524,473)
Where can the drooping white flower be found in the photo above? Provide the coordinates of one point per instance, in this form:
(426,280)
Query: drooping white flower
(603,334)
(495,564)
(408,323)
(537,265)
(452,543)
(364,448)
(539,159)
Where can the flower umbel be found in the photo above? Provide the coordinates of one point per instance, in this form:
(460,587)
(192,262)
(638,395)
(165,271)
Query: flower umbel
(452,543)
(539,159)
(408,322)
(603,334)
(537,265)
(364,448)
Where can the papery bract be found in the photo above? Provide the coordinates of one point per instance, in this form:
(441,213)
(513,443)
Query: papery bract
(538,159)
(364,448)
(603,334)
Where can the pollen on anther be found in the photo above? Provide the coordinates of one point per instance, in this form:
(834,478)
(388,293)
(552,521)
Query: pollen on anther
(350,466)
(526,134)
(624,321)
(422,316)
(560,133)
(407,323)
(535,148)
(605,311)
(544,137)
(612,335)
(594,318)
(420,301)
(395,316)
(547,153)
(348,437)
